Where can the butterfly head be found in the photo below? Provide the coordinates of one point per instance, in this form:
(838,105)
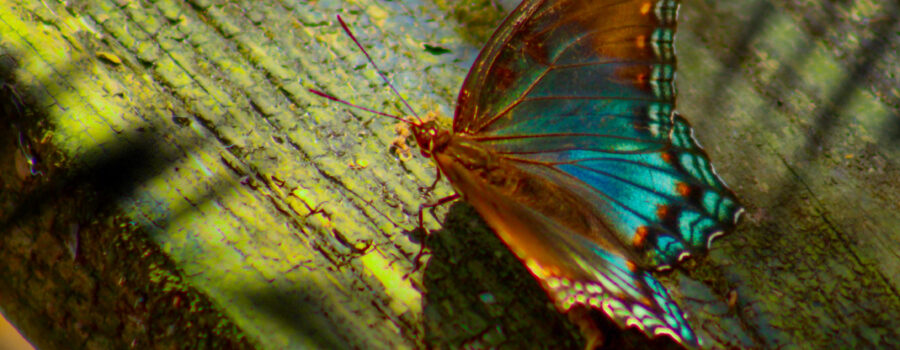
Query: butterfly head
(430,137)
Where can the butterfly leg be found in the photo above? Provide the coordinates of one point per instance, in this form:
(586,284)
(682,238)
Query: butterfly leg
(438,203)
(422,207)
(430,188)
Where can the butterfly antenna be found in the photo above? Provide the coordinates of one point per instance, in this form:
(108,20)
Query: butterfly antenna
(386,80)
(335,99)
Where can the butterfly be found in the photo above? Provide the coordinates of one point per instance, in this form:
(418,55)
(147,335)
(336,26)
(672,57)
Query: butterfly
(566,141)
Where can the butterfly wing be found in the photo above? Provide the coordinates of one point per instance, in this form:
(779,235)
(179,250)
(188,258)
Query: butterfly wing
(577,272)
(585,88)
(577,99)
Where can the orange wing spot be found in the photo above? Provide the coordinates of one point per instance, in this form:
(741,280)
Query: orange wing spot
(646,301)
(640,236)
(631,266)
(662,211)
(667,157)
(640,41)
(641,79)
(645,8)
(683,189)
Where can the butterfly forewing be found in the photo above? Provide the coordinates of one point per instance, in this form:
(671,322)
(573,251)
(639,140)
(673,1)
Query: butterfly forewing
(594,48)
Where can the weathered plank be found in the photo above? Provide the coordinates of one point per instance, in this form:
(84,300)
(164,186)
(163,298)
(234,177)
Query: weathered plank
(184,160)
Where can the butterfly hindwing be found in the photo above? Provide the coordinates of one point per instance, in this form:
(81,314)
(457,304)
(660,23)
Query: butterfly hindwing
(576,272)
(569,48)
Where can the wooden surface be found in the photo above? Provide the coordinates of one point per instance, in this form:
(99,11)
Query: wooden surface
(192,193)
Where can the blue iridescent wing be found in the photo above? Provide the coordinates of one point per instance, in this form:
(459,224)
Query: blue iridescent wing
(580,94)
(586,88)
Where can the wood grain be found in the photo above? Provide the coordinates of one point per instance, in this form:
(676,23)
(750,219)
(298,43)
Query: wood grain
(193,194)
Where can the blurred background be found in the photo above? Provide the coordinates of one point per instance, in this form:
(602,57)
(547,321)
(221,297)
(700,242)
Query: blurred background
(10,338)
